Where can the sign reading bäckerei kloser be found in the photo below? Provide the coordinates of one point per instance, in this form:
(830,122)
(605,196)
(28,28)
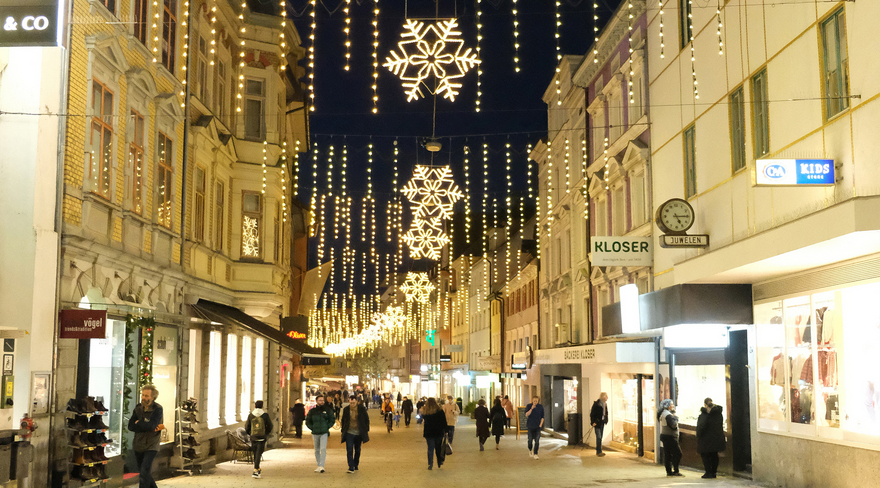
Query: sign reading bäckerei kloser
(29,23)
(794,172)
(621,251)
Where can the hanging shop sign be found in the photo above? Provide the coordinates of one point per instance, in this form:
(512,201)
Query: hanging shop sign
(522,360)
(83,324)
(28,23)
(692,240)
(794,172)
(621,251)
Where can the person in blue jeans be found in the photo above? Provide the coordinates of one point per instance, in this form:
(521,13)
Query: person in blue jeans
(147,424)
(435,429)
(598,419)
(534,423)
(355,428)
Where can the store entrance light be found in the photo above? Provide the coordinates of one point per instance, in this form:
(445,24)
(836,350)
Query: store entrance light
(629,309)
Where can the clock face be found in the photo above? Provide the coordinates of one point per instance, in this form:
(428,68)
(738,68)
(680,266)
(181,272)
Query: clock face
(676,215)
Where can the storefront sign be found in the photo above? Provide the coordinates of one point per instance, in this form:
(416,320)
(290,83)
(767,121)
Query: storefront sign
(621,251)
(696,240)
(83,324)
(585,354)
(488,363)
(794,172)
(28,23)
(296,335)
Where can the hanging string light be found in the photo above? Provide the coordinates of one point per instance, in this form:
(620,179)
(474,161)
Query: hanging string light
(630,44)
(213,18)
(282,41)
(330,193)
(392,214)
(662,43)
(515,39)
(265,146)
(467,196)
(558,54)
(509,212)
(284,182)
(314,26)
(155,30)
(567,167)
(294,178)
(347,30)
(720,41)
(375,56)
(584,177)
(596,32)
(485,203)
(184,24)
(549,186)
(693,52)
(241,55)
(314,184)
(607,169)
(479,46)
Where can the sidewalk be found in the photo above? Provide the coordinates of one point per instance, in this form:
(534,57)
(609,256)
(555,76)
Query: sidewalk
(401,455)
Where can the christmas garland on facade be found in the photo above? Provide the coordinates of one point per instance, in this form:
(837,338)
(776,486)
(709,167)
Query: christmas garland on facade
(146,326)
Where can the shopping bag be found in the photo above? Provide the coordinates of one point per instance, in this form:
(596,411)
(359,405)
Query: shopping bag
(447,449)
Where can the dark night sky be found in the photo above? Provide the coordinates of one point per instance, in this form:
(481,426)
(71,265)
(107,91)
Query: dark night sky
(512,109)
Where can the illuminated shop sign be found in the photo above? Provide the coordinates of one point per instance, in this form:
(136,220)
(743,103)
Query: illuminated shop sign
(28,23)
(794,172)
(296,335)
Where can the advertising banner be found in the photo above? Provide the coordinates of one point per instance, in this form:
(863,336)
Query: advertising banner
(83,324)
(621,251)
(794,172)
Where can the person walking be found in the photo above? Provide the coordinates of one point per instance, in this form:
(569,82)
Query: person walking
(407,408)
(399,399)
(508,409)
(299,416)
(498,419)
(419,406)
(598,419)
(147,423)
(450,408)
(534,424)
(337,406)
(319,420)
(710,436)
(388,412)
(481,415)
(669,437)
(258,426)
(355,428)
(435,429)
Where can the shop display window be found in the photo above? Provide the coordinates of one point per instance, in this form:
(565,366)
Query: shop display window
(817,364)
(106,380)
(623,412)
(231,377)
(213,411)
(165,347)
(259,369)
(246,376)
(696,383)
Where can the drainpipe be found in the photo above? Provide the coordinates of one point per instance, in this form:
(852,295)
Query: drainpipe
(183,166)
(587,219)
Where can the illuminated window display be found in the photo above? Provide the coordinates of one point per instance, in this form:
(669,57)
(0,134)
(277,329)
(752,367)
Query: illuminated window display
(106,378)
(165,346)
(694,384)
(231,377)
(624,412)
(213,410)
(818,370)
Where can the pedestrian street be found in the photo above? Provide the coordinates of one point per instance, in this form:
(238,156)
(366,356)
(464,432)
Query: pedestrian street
(390,459)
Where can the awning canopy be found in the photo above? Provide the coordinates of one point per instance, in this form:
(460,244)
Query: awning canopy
(224,314)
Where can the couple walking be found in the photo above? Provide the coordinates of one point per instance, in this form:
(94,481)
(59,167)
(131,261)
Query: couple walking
(354,425)
(490,422)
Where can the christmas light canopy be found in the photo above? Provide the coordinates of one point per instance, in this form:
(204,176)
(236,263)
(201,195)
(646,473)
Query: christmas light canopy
(426,238)
(431,50)
(417,287)
(431,189)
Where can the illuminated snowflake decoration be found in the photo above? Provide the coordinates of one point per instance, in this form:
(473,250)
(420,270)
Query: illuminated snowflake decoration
(431,189)
(426,238)
(393,318)
(417,287)
(250,239)
(431,50)
(384,324)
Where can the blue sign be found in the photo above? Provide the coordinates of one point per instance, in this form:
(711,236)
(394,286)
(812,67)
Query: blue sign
(794,172)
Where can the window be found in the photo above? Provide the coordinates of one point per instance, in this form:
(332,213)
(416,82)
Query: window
(761,114)
(202,73)
(738,130)
(165,366)
(253,108)
(199,204)
(221,98)
(169,34)
(618,212)
(101,141)
(278,239)
(598,135)
(246,377)
(685,24)
(836,64)
(259,369)
(690,162)
(110,4)
(636,108)
(219,219)
(251,225)
(165,153)
(615,107)
(106,357)
(601,218)
(136,155)
(639,214)
(140,20)
(214,349)
(232,377)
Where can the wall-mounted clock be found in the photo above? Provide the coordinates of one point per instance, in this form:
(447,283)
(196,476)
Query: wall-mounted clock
(675,216)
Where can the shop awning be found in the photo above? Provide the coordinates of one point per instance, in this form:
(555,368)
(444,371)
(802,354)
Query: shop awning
(224,314)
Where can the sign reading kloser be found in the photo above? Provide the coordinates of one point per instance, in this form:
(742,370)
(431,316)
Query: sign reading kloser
(794,172)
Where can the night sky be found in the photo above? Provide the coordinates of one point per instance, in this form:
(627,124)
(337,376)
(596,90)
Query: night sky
(511,109)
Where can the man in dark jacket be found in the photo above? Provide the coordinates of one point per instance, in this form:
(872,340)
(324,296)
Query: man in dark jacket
(147,424)
(710,436)
(407,408)
(320,419)
(355,428)
(299,415)
(534,423)
(598,419)
(258,426)
(419,405)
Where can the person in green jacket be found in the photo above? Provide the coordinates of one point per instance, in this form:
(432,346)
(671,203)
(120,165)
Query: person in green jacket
(319,420)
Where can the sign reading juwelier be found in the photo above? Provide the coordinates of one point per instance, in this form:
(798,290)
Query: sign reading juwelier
(28,23)
(794,172)
(621,251)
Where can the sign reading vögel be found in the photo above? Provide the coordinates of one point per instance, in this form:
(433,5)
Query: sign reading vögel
(794,172)
(621,251)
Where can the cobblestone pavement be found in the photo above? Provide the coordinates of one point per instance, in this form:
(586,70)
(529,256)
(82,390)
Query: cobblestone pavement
(401,456)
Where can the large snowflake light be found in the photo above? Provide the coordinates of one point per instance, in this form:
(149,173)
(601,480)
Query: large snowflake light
(417,287)
(426,238)
(431,189)
(431,50)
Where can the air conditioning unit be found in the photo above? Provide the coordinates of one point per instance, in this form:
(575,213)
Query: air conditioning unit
(562,334)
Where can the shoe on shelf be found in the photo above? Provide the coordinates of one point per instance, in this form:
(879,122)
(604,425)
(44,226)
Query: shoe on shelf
(99,454)
(99,405)
(96,423)
(187,429)
(76,440)
(89,404)
(76,423)
(73,405)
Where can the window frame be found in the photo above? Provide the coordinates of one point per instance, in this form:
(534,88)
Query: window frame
(202,75)
(258,216)
(262,98)
(838,19)
(221,97)
(164,174)
(643,199)
(168,42)
(137,149)
(737,115)
(105,129)
(140,11)
(219,214)
(760,113)
(690,160)
(199,203)
(685,24)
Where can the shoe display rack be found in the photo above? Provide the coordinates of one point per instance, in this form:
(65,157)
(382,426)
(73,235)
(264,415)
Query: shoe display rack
(187,444)
(87,440)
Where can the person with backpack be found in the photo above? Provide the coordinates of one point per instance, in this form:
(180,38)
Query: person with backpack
(258,426)
(319,420)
